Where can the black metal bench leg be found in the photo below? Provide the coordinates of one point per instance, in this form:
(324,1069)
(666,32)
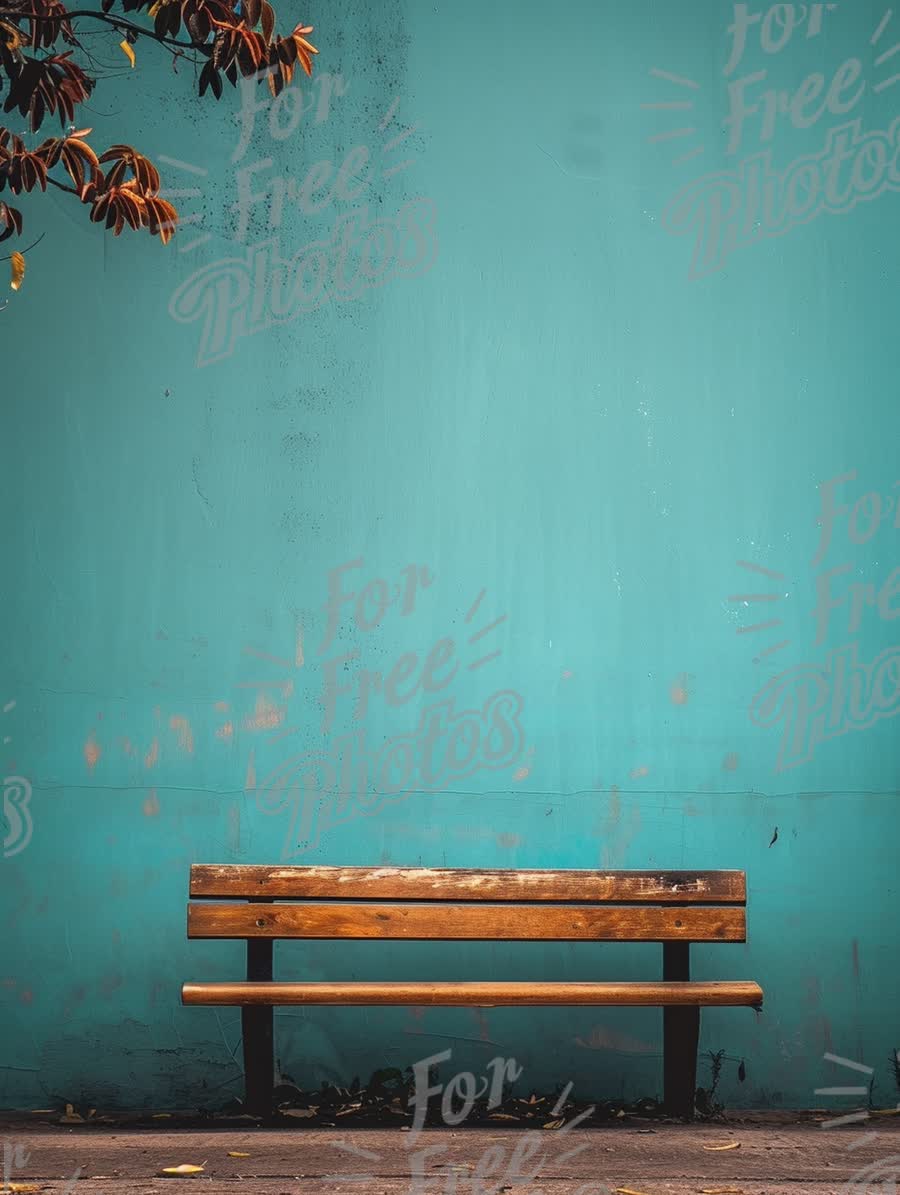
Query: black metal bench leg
(259,1059)
(681,1036)
(257,1023)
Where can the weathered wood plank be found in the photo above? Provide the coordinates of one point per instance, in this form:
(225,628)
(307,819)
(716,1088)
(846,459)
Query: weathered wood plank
(482,922)
(463,884)
(485,995)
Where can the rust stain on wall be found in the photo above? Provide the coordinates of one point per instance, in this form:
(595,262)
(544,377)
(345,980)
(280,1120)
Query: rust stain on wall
(152,755)
(92,751)
(182,728)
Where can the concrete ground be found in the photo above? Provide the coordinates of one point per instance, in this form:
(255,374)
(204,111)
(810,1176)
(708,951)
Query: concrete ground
(772,1155)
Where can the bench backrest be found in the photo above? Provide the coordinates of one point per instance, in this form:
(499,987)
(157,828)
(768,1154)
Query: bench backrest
(418,904)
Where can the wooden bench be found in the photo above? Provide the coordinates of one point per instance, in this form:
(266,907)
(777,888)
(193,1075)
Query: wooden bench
(449,904)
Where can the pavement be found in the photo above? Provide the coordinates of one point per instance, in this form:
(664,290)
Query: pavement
(765,1156)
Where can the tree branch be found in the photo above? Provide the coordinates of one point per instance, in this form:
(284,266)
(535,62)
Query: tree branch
(28,250)
(117,22)
(61,186)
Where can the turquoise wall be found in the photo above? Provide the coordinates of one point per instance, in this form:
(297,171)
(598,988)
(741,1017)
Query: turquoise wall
(547,375)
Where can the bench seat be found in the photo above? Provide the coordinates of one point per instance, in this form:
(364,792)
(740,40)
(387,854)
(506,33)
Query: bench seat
(479,995)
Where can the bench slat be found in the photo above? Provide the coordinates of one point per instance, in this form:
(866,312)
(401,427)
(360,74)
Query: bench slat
(482,922)
(463,884)
(484,995)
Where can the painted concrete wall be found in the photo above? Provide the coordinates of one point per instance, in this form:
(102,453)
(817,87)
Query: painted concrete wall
(560,381)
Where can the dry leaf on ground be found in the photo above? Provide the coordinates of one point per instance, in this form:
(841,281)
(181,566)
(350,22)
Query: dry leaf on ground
(183,1169)
(719,1148)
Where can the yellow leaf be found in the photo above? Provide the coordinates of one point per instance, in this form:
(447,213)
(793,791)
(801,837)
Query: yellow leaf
(184,1168)
(126,48)
(236,1153)
(553,1124)
(17,271)
(627,1191)
(13,35)
(23,1187)
(719,1148)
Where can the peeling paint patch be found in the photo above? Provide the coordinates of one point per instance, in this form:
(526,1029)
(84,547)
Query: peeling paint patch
(525,770)
(679,693)
(730,762)
(152,755)
(639,773)
(182,728)
(92,751)
(226,731)
(250,781)
(151,805)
